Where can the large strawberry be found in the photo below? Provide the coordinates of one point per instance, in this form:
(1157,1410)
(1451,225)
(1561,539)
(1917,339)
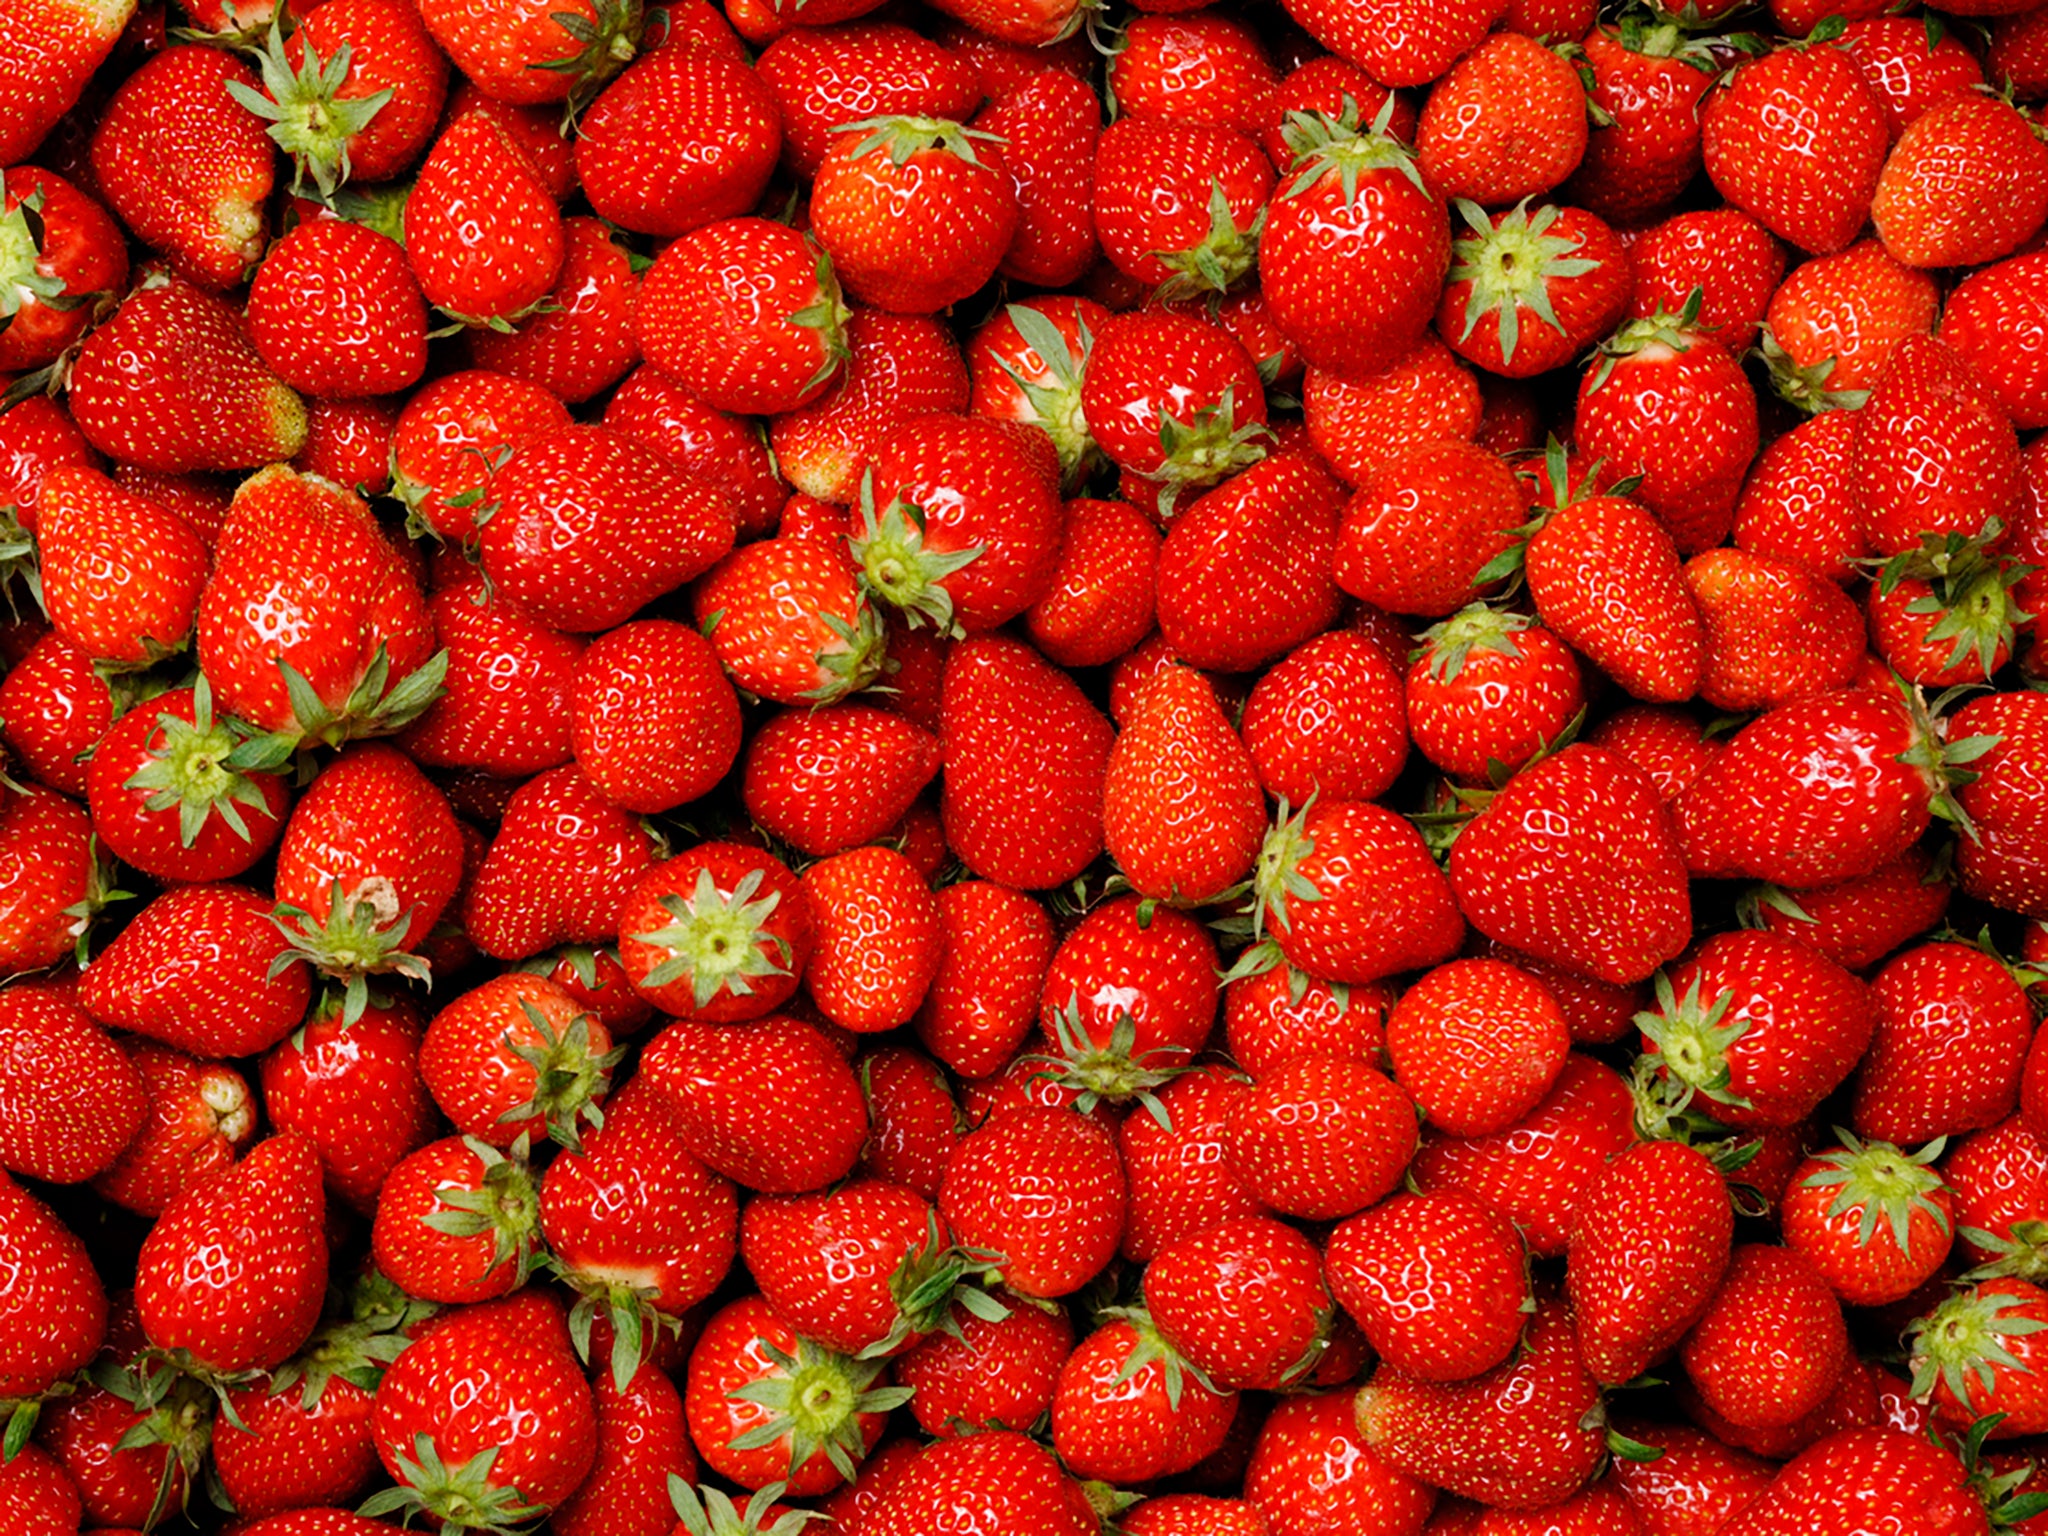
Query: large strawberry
(991,1198)
(1934,452)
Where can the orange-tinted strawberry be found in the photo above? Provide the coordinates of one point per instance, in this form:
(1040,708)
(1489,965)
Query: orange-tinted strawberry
(1504,123)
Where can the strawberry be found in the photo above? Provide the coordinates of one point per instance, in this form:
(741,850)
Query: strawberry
(1173,401)
(55,1313)
(63,255)
(1649,371)
(1181,1182)
(518,54)
(1027,751)
(354,95)
(642,1442)
(1426,396)
(558,871)
(1182,811)
(1530,291)
(1488,691)
(1755,1029)
(1244,574)
(235,1270)
(1934,451)
(185,163)
(1356,245)
(507,707)
(121,576)
(735,1095)
(914,1125)
(684,138)
(1910,70)
(1795,139)
(1504,123)
(1774,631)
(1734,261)
(54,875)
(288,1453)
(47,56)
(1983,313)
(1648,77)
(35,1485)
(1696,1485)
(995,1481)
(516,1058)
(914,212)
(1953,1030)
(1834,1206)
(825,78)
(1395,41)
(53,708)
(992,1372)
(1327,920)
(992,1198)
(1026,364)
(1345,1154)
(706,441)
(483,236)
(1280,1015)
(1327,716)
(1454,500)
(452,438)
(1835,321)
(1310,1466)
(1048,126)
(1103,597)
(1587,1119)
(1858,922)
(585,343)
(639,1268)
(1208,69)
(1191,1288)
(70,1099)
(996,946)
(355,1092)
(877,938)
(164,1450)
(484,1419)
(898,367)
(2001,802)
(767,1406)
(1513,1437)
(1180,204)
(1771,1344)
(967,534)
(827,781)
(789,623)
(456,1221)
(201,398)
(1128,1408)
(1974,1355)
(1438,1282)
(722,933)
(1866,1476)
(200,1117)
(335,311)
(1613,903)
(1472,1078)
(592,526)
(1966,184)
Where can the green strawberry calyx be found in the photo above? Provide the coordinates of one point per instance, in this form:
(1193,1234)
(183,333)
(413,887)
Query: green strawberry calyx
(375,706)
(462,1497)
(1804,386)
(1114,1071)
(2021,1252)
(815,1399)
(1693,1040)
(720,940)
(1650,339)
(1277,879)
(930,1281)
(1337,146)
(1510,263)
(1149,1348)
(899,566)
(901,137)
(174,1413)
(569,1078)
(1881,1183)
(628,1307)
(1961,1345)
(1208,447)
(1969,593)
(505,1204)
(363,935)
(189,770)
(1476,627)
(711,1511)
(22,278)
(606,41)
(309,118)
(1055,405)
(1226,254)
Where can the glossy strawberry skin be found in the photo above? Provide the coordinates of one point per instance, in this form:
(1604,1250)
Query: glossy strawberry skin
(335,310)
(356,1093)
(558,871)
(201,1119)
(55,1314)
(1949,1049)
(1735,1355)
(1043,1186)
(483,236)
(70,1101)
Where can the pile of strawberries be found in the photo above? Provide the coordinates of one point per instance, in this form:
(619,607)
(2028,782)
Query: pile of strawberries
(1013,770)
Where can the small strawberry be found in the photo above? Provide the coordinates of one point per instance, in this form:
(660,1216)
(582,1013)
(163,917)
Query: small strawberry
(1192,1289)
(120,576)
(1966,184)
(70,1099)
(507,709)
(991,1198)
(49,57)
(998,1480)
(1835,321)
(1468,1077)
(483,236)
(642,1445)
(1771,1344)
(54,1316)
(1953,1030)
(452,438)
(1735,263)
(1504,123)
(876,939)
(1128,1407)
(1488,691)
(1774,631)
(1836,1201)
(1310,1464)
(559,870)
(722,933)
(1934,452)
(63,255)
(517,54)
(457,1222)
(1336,1158)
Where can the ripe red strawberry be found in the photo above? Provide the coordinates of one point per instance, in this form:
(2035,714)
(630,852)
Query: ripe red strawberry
(1796,139)
(200,1118)
(956,528)
(35,1485)
(1337,1158)
(722,933)
(1181,1182)
(1649,370)
(47,57)
(638,528)
(992,1198)
(701,439)
(1438,1283)
(1487,691)
(302,1445)
(1179,203)
(121,576)
(1477,1044)
(1858,922)
(824,78)
(171,384)
(507,707)
(456,1221)
(1934,452)
(1774,631)
(1731,259)
(642,1443)
(1504,123)
(1102,601)
(1245,575)
(1836,320)
(1027,752)
(54,1315)
(1326,919)
(355,1092)
(558,871)
(70,1100)
(877,938)
(1696,1485)
(898,367)
(2001,802)
(1754,1029)
(767,1406)
(1128,1408)
(1869,1477)
(484,1417)
(1953,1031)
(1612,902)
(54,875)
(185,163)
(1397,41)
(128,1461)
(1197,1290)
(585,343)
(1874,1221)
(789,623)
(518,54)
(982,1002)
(1771,1344)
(1515,1437)
(1048,126)
(1984,310)
(746,314)
(995,1481)
(830,779)
(687,136)
(1529,292)
(235,1270)
(1183,814)
(1975,1355)
(1966,184)
(53,708)
(453,436)
(64,254)
(483,236)
(194,969)
(1328,717)
(1427,395)
(1282,1014)
(1311,1465)
(994,1372)
(1648,78)
(335,311)
(515,1057)
(1356,246)
(772,1106)
(1176,403)
(1427,527)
